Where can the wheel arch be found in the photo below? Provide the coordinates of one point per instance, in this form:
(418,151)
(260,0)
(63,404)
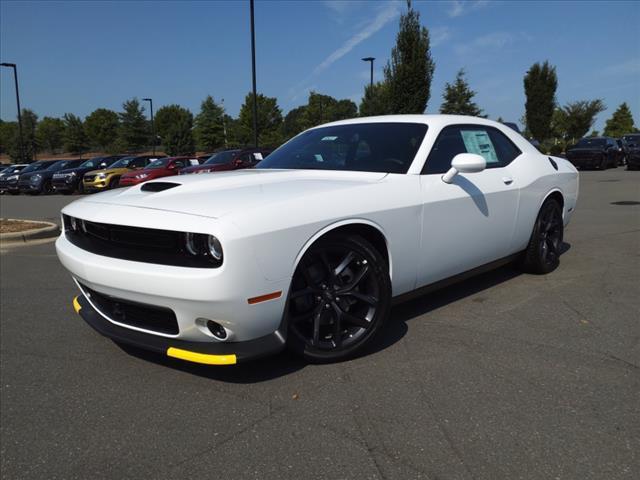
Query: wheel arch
(367,229)
(556,194)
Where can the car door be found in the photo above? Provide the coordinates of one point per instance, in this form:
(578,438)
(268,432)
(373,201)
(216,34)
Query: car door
(468,222)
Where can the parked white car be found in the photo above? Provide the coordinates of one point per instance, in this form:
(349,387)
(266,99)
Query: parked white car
(308,249)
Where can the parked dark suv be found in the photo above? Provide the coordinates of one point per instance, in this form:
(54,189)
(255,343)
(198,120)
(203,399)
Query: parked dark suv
(11,172)
(69,180)
(11,184)
(40,181)
(632,141)
(594,152)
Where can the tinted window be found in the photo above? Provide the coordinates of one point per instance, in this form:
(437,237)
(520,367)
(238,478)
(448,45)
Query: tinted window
(493,145)
(391,147)
(139,162)
(591,143)
(221,157)
(159,163)
(123,162)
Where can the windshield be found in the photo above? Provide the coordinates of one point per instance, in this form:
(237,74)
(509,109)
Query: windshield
(159,163)
(34,167)
(94,162)
(632,139)
(221,157)
(591,142)
(364,147)
(62,164)
(123,162)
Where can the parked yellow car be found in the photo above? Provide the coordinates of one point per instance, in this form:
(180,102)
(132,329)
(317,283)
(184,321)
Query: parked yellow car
(107,178)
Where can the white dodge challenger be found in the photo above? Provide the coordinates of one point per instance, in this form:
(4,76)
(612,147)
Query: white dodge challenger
(310,249)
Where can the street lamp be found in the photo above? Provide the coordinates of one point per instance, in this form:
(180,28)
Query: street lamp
(153,130)
(253,71)
(15,78)
(370,60)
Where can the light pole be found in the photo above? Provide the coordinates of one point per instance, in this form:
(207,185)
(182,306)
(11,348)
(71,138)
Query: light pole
(253,71)
(15,78)
(370,60)
(153,130)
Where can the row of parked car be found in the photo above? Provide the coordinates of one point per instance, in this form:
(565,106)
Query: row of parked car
(103,173)
(606,152)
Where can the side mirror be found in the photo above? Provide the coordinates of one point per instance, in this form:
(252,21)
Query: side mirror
(465,163)
(173,166)
(103,165)
(237,163)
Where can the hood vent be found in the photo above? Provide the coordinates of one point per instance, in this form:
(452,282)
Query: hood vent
(158,186)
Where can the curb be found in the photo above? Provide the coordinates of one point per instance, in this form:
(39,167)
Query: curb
(47,231)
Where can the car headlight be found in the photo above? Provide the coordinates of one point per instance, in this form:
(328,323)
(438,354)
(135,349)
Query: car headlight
(200,244)
(72,174)
(12,177)
(36,178)
(142,175)
(101,176)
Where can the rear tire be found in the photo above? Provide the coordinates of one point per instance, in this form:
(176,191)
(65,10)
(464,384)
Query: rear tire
(113,183)
(543,252)
(339,298)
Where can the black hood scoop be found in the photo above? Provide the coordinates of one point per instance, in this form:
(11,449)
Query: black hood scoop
(158,186)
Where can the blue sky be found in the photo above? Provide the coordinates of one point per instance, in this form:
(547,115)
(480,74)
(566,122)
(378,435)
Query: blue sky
(78,56)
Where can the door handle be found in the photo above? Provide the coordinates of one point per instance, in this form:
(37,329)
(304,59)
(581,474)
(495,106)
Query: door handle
(507,180)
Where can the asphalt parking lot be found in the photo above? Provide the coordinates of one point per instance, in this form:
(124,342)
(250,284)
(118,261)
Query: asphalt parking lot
(503,376)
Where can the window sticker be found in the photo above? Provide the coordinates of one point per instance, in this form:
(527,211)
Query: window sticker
(257,155)
(478,141)
(318,158)
(329,139)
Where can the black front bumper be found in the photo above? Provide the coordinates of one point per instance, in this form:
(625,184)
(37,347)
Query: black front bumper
(209,353)
(61,185)
(586,162)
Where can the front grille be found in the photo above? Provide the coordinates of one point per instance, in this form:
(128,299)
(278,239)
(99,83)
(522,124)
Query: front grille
(148,245)
(89,178)
(134,314)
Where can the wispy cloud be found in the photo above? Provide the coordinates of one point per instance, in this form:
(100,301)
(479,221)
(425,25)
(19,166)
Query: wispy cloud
(629,67)
(389,11)
(458,8)
(491,41)
(439,35)
(387,14)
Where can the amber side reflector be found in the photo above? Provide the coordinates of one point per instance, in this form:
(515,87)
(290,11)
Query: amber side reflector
(264,298)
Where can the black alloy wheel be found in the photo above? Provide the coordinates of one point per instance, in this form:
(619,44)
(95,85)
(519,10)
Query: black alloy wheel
(543,252)
(47,188)
(340,296)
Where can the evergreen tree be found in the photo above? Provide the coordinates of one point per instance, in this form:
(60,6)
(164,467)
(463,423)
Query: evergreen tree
(134,133)
(75,138)
(376,100)
(620,123)
(29,126)
(409,72)
(540,84)
(209,127)
(9,140)
(101,127)
(458,98)
(173,124)
(293,122)
(269,121)
(580,116)
(50,134)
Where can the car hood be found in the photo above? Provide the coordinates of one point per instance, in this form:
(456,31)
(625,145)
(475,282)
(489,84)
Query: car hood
(212,167)
(584,150)
(217,195)
(109,171)
(76,170)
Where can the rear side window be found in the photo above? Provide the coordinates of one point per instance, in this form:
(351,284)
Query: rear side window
(488,142)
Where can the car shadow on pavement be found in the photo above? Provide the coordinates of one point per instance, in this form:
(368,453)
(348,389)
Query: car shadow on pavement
(285,363)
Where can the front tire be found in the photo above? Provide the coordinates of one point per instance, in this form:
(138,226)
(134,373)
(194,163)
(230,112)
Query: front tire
(543,252)
(339,298)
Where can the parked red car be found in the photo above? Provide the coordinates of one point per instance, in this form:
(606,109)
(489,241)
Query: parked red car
(162,167)
(229,160)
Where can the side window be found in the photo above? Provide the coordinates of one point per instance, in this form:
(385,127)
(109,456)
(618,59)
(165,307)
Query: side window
(179,164)
(488,142)
(139,162)
(448,144)
(507,151)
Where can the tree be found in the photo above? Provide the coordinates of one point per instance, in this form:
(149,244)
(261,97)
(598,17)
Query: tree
(621,122)
(269,121)
(101,127)
(29,126)
(409,72)
(580,116)
(540,84)
(324,108)
(209,125)
(458,98)
(376,100)
(75,138)
(293,122)
(594,133)
(133,133)
(174,124)
(9,140)
(50,134)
